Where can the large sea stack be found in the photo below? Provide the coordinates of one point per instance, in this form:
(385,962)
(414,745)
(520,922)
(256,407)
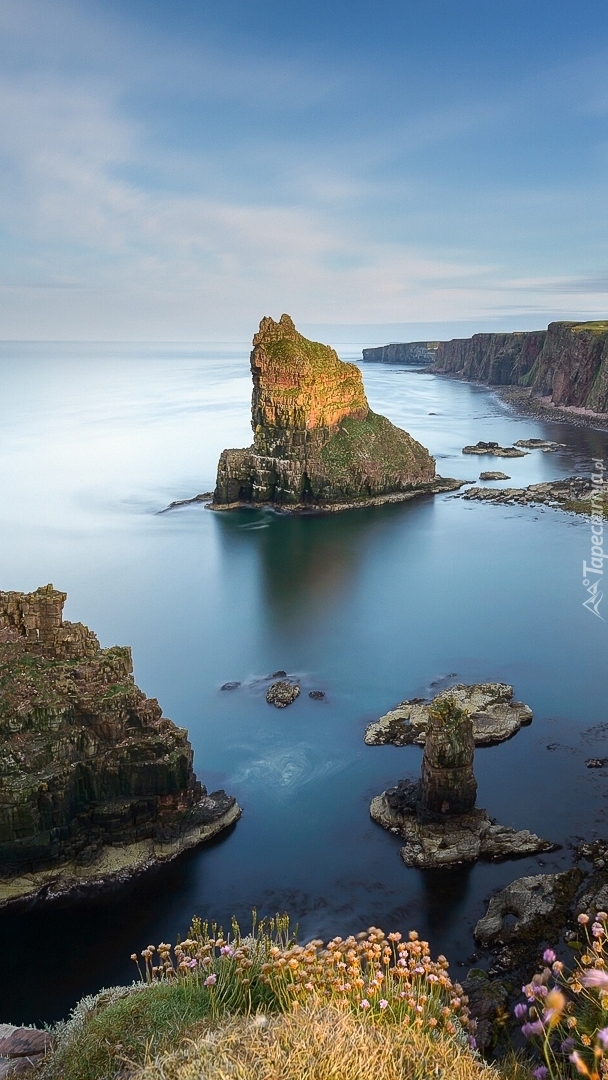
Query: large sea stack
(95,784)
(316,442)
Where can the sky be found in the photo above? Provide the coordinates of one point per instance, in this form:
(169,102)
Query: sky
(380,169)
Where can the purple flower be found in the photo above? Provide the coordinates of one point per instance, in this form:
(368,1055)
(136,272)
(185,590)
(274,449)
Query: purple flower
(226,950)
(192,963)
(364,1004)
(549,957)
(595,977)
(210,980)
(541,1073)
(567,1046)
(383,1003)
(603,1037)
(472,1041)
(520,1011)
(530,1030)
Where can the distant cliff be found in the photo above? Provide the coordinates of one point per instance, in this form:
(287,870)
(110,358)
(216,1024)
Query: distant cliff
(316,441)
(567,364)
(95,784)
(405,352)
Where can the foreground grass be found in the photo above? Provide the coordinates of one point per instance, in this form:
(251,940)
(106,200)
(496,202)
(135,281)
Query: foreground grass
(123,1027)
(316,1043)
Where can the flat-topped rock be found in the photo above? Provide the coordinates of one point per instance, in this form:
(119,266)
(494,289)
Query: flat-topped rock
(96,783)
(540,444)
(495,716)
(316,442)
(494,449)
(465,838)
(494,476)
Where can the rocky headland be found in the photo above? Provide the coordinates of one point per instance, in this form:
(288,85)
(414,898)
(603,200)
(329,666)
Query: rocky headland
(95,784)
(405,352)
(561,371)
(317,444)
(495,716)
(436,816)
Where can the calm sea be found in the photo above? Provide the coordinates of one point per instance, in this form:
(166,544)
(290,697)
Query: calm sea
(371,606)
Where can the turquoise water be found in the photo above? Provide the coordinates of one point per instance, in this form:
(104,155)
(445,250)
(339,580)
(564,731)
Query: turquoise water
(371,606)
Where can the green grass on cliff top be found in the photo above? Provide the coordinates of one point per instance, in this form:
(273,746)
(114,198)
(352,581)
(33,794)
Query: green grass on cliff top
(598,327)
(372,445)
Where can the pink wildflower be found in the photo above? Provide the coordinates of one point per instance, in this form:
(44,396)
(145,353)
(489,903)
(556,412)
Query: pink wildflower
(595,978)
(210,980)
(383,1003)
(364,1004)
(549,957)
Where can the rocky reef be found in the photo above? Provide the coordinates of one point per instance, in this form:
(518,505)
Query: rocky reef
(495,716)
(574,494)
(492,449)
(436,815)
(406,352)
(317,443)
(95,784)
(565,366)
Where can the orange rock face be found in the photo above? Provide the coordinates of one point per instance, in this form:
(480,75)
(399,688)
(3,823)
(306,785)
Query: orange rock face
(316,442)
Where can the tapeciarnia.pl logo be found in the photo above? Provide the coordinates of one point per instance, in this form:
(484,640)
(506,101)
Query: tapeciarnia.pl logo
(594,571)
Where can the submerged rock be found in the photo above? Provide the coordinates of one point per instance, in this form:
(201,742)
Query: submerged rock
(317,443)
(316,695)
(436,816)
(494,449)
(529,909)
(96,784)
(494,714)
(282,694)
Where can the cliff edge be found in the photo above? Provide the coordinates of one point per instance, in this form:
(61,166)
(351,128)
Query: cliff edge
(95,784)
(566,365)
(316,441)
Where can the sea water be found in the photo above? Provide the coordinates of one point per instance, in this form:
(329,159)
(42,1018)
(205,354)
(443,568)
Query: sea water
(370,606)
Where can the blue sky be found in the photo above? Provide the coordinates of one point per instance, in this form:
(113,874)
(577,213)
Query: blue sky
(175,169)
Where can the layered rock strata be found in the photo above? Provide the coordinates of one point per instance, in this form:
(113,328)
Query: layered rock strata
(495,716)
(316,441)
(407,352)
(95,784)
(436,816)
(565,365)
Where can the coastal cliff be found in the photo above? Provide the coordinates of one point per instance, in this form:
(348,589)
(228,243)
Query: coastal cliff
(95,784)
(565,366)
(316,441)
(405,352)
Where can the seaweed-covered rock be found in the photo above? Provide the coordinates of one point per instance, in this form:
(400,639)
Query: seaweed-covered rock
(95,784)
(282,693)
(316,441)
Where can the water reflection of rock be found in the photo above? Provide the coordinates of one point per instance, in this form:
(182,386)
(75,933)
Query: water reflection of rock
(305,562)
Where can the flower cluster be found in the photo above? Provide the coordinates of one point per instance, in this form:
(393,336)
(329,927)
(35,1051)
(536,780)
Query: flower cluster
(381,976)
(566,1012)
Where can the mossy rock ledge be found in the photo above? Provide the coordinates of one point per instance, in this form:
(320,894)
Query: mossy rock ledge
(95,784)
(316,442)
